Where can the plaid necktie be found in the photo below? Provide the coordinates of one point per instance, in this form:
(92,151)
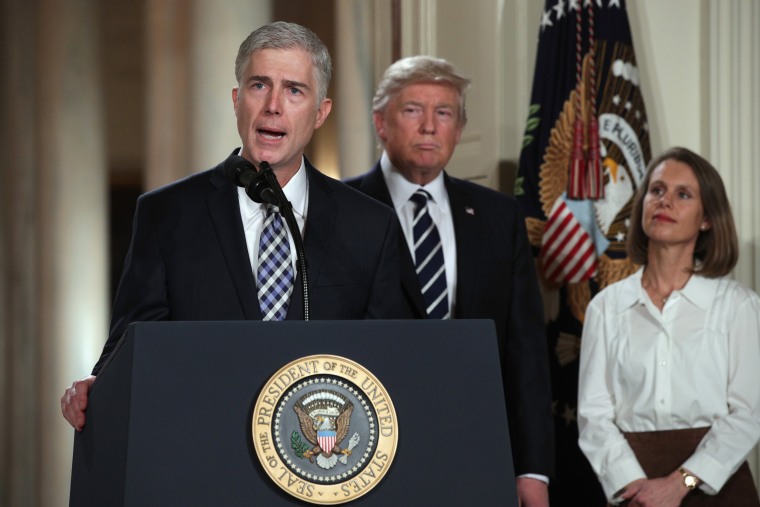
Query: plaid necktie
(428,259)
(275,274)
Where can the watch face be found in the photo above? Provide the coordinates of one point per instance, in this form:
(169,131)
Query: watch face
(690,481)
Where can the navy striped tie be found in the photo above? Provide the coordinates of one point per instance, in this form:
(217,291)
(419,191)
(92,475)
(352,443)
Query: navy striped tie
(274,278)
(428,259)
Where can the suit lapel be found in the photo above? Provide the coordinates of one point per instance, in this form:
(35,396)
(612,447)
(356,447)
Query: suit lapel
(373,184)
(225,214)
(318,234)
(468,229)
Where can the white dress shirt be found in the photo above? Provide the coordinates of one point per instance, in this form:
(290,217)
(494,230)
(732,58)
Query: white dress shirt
(401,190)
(693,364)
(253,214)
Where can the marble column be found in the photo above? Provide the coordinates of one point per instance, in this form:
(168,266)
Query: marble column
(73,212)
(19,269)
(167,54)
(355,85)
(734,129)
(54,290)
(191,50)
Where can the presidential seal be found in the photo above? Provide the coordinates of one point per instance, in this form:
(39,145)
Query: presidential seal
(324,429)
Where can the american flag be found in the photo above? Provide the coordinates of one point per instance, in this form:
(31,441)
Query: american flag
(579,240)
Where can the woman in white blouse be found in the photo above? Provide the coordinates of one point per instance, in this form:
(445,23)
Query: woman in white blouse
(669,388)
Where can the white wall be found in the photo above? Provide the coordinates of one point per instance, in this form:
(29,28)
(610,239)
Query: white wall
(669,41)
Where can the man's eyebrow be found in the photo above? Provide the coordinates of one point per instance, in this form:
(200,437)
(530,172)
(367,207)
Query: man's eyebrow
(259,79)
(440,105)
(289,83)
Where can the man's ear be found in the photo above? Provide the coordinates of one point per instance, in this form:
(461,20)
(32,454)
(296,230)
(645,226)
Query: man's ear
(379,121)
(322,112)
(459,133)
(235,91)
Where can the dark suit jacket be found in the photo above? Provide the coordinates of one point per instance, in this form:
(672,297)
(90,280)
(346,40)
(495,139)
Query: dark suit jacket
(188,258)
(496,279)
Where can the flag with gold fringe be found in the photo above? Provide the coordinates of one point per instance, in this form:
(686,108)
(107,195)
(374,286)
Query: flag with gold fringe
(585,149)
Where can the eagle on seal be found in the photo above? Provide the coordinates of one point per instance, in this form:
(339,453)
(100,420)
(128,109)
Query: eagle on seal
(325,417)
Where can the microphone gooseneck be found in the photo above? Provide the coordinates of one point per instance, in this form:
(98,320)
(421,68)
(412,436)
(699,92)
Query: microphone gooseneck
(262,186)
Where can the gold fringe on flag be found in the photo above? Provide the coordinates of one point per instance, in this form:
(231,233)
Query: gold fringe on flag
(594,173)
(586,173)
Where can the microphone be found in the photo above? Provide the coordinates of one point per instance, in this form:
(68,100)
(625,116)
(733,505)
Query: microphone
(262,186)
(256,184)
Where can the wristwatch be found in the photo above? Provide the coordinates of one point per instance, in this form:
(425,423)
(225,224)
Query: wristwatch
(690,480)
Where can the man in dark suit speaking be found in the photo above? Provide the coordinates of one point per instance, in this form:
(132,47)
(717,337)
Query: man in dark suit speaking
(465,252)
(202,250)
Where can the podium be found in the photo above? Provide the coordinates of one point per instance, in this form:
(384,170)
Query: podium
(169,417)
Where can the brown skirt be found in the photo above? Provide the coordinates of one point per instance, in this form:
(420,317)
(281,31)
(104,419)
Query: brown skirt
(661,452)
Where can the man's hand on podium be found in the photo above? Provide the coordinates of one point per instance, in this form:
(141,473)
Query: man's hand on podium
(74,402)
(532,492)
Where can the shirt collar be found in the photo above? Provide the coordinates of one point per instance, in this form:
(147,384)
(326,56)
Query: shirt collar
(401,189)
(699,290)
(296,190)
(632,292)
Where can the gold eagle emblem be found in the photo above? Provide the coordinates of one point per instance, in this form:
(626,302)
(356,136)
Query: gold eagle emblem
(324,418)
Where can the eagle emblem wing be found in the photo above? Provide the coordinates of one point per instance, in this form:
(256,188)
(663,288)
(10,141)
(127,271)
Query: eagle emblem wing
(343,422)
(307,425)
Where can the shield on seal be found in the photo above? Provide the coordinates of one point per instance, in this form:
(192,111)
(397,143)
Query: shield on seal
(326,439)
